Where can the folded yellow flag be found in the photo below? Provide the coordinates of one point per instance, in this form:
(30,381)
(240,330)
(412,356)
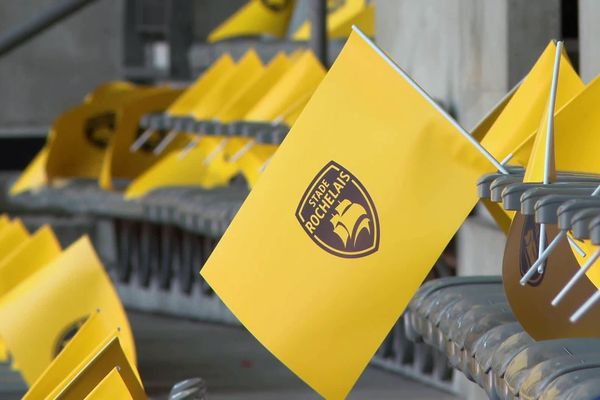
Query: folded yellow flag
(43,312)
(352,212)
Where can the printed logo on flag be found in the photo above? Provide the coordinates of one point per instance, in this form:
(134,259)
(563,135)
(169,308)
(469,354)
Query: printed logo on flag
(67,334)
(530,238)
(99,128)
(338,214)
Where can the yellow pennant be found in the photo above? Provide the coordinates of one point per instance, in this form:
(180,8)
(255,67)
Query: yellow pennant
(27,258)
(111,386)
(203,166)
(339,232)
(12,235)
(240,104)
(34,176)
(88,341)
(236,81)
(204,84)
(41,314)
(95,367)
(119,162)
(524,111)
(256,18)
(340,20)
(302,78)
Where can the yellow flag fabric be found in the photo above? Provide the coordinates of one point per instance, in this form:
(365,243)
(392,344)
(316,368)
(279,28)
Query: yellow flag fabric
(119,162)
(341,19)
(196,92)
(339,232)
(523,113)
(109,90)
(302,78)
(4,221)
(203,166)
(240,104)
(88,341)
(89,128)
(256,18)
(34,176)
(41,313)
(27,258)
(95,368)
(236,81)
(111,387)
(11,237)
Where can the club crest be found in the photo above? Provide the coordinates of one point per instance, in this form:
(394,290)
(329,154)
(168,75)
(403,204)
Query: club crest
(338,214)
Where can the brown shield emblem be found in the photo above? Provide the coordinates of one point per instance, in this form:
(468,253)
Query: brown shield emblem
(338,214)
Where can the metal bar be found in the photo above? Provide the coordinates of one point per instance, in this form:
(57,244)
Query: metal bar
(582,271)
(26,31)
(435,105)
(317,14)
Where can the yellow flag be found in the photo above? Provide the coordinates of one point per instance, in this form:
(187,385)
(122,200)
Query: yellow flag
(88,341)
(339,232)
(111,387)
(340,20)
(44,311)
(119,162)
(256,18)
(4,222)
(27,258)
(523,113)
(11,237)
(204,166)
(196,92)
(95,368)
(236,81)
(302,78)
(88,128)
(240,104)
(34,175)
(110,90)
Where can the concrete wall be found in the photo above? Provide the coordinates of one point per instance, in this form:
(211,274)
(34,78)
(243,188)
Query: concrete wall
(56,69)
(467,53)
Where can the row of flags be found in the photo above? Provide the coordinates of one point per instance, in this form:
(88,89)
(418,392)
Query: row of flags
(63,326)
(271,18)
(112,147)
(364,194)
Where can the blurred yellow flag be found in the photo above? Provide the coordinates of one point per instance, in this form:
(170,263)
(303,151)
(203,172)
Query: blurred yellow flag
(12,235)
(4,221)
(94,368)
(340,20)
(111,387)
(524,111)
(236,81)
(119,162)
(204,166)
(88,341)
(301,79)
(34,176)
(196,92)
(244,100)
(256,18)
(27,258)
(339,232)
(44,311)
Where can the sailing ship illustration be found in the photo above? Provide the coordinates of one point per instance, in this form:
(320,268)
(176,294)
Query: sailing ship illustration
(349,220)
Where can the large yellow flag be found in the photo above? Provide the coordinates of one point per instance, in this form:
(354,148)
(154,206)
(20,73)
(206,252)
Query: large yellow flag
(343,226)
(88,341)
(257,17)
(44,311)
(12,235)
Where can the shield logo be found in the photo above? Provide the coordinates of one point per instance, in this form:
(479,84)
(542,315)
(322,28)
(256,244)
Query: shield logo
(338,214)
(67,334)
(99,129)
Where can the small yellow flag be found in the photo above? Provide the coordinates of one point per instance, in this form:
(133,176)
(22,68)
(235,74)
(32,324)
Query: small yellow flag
(34,175)
(256,18)
(111,387)
(43,312)
(204,166)
(12,236)
(88,341)
(339,232)
(301,79)
(340,20)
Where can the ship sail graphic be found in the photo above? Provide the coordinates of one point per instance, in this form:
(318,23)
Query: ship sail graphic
(349,220)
